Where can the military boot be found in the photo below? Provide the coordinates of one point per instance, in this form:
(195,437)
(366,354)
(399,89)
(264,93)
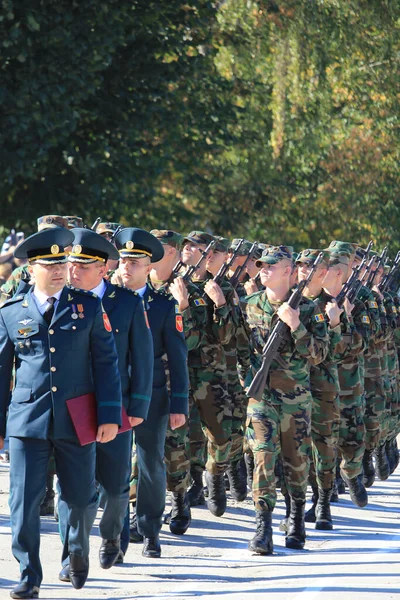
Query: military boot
(309,517)
(216,500)
(323,517)
(358,493)
(196,490)
(296,533)
(47,506)
(262,541)
(368,469)
(395,453)
(382,463)
(180,517)
(284,523)
(237,482)
(335,495)
(249,461)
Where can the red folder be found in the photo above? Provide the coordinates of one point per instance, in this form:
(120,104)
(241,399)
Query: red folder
(83,413)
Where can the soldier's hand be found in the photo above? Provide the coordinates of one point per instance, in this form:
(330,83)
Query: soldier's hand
(176,420)
(348,307)
(333,313)
(378,291)
(1,442)
(106,433)
(135,421)
(214,292)
(289,315)
(179,291)
(250,286)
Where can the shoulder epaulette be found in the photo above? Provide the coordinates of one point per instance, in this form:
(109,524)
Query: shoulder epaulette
(86,293)
(16,298)
(124,289)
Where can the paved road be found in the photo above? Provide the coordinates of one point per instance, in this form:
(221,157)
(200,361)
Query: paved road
(360,559)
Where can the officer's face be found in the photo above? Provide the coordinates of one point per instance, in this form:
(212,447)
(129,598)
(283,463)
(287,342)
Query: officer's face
(49,278)
(274,275)
(135,271)
(215,261)
(191,253)
(86,276)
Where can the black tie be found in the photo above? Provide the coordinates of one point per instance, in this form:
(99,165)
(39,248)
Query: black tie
(49,312)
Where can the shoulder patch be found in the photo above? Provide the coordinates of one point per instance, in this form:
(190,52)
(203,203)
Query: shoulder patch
(365,319)
(372,304)
(179,323)
(199,302)
(319,318)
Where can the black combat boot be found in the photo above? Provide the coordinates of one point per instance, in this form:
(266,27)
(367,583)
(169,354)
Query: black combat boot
(180,516)
(47,506)
(296,533)
(216,500)
(323,517)
(382,463)
(284,523)
(335,495)
(196,490)
(390,456)
(262,541)
(249,461)
(395,453)
(358,493)
(340,484)
(237,482)
(368,469)
(309,517)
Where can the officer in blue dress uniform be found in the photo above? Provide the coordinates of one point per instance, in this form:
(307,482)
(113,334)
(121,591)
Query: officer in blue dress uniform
(138,249)
(63,347)
(88,265)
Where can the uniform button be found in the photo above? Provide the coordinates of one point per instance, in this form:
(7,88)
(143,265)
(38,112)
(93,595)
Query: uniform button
(73,327)
(117,330)
(51,331)
(54,389)
(53,369)
(52,349)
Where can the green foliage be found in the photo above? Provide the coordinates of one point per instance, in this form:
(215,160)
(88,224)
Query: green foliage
(277,120)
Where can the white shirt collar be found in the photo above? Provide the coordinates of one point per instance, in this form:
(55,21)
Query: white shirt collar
(141,291)
(100,289)
(41,297)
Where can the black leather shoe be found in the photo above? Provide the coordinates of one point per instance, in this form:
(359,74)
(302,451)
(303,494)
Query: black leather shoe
(25,590)
(78,570)
(151,547)
(108,552)
(64,574)
(120,558)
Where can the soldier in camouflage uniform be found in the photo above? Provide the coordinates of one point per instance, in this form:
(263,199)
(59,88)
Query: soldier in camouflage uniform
(207,369)
(281,421)
(352,427)
(324,379)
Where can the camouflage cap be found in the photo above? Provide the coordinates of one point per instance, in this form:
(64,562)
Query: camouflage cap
(222,245)
(198,237)
(51,221)
(274,254)
(244,248)
(168,237)
(74,221)
(310,255)
(348,247)
(107,228)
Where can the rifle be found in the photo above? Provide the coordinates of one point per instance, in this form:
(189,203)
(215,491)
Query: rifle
(234,280)
(190,271)
(114,235)
(353,285)
(227,265)
(278,335)
(379,262)
(95,224)
(388,279)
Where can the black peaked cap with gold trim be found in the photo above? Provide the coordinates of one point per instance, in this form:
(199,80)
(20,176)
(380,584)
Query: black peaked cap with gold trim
(133,242)
(46,247)
(91,247)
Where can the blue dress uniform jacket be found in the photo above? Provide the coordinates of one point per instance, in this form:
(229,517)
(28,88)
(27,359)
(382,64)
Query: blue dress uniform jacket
(168,339)
(134,345)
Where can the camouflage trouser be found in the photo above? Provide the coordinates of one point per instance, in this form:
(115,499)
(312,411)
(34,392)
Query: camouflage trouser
(325,422)
(239,416)
(197,440)
(177,457)
(215,411)
(386,413)
(351,445)
(133,481)
(374,408)
(279,428)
